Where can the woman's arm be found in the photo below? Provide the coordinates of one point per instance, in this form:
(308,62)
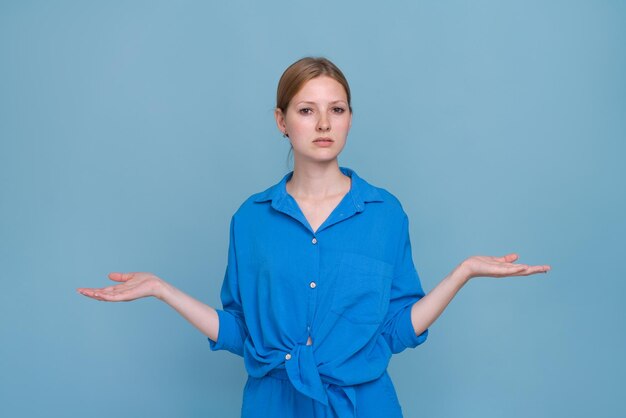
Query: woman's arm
(138,285)
(426,310)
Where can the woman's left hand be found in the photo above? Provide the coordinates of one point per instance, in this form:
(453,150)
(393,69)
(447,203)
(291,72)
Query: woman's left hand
(486,266)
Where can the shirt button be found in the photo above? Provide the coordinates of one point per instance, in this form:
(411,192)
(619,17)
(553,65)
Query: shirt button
(287,356)
(314,241)
(313,285)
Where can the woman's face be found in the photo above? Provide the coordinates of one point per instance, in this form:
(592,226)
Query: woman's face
(317,120)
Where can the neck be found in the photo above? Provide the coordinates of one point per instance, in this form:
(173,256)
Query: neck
(317,181)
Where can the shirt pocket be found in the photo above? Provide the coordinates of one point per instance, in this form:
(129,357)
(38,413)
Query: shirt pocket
(361,293)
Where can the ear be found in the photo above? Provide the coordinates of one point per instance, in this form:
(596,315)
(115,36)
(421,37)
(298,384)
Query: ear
(280,120)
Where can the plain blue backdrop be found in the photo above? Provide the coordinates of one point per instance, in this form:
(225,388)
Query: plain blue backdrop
(130,131)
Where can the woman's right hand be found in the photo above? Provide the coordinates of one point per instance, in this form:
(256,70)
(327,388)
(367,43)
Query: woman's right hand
(133,286)
(140,285)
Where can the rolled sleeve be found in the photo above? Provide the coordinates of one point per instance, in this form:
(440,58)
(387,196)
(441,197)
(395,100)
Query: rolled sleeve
(232,326)
(406,289)
(231,335)
(405,333)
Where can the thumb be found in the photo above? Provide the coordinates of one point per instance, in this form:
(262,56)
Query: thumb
(509,258)
(120,277)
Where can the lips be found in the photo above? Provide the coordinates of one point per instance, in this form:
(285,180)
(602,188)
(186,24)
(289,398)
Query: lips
(323,140)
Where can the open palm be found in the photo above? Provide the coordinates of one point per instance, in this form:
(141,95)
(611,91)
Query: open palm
(132,286)
(487,266)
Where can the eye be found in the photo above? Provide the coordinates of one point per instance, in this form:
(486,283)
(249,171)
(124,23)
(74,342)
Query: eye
(338,109)
(306,110)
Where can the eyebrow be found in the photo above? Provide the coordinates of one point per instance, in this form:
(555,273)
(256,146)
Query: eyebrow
(313,103)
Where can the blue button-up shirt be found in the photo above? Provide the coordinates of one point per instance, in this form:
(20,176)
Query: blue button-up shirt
(349,286)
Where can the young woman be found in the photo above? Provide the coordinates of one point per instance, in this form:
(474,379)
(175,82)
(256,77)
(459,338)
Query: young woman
(320,288)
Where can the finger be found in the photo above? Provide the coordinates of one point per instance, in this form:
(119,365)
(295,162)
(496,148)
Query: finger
(509,258)
(511,270)
(91,293)
(111,296)
(86,291)
(108,297)
(114,290)
(533,270)
(117,288)
(538,269)
(120,292)
(121,277)
(515,266)
(97,293)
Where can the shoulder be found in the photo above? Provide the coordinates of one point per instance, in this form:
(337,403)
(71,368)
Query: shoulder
(248,205)
(390,199)
(256,203)
(388,202)
(392,212)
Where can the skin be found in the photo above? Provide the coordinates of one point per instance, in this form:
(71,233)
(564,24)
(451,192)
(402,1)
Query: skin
(317,185)
(319,110)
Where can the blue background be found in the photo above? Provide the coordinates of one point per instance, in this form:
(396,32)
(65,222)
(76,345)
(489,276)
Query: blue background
(131,131)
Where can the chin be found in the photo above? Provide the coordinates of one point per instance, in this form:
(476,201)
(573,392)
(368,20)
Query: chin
(317,159)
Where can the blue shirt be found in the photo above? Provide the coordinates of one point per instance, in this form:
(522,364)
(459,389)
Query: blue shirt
(349,286)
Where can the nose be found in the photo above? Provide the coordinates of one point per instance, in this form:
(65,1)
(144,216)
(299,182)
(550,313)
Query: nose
(323,124)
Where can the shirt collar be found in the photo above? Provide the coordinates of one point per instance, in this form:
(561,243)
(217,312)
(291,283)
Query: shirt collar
(360,191)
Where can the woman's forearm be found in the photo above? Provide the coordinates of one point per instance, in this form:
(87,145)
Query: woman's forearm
(200,315)
(426,310)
